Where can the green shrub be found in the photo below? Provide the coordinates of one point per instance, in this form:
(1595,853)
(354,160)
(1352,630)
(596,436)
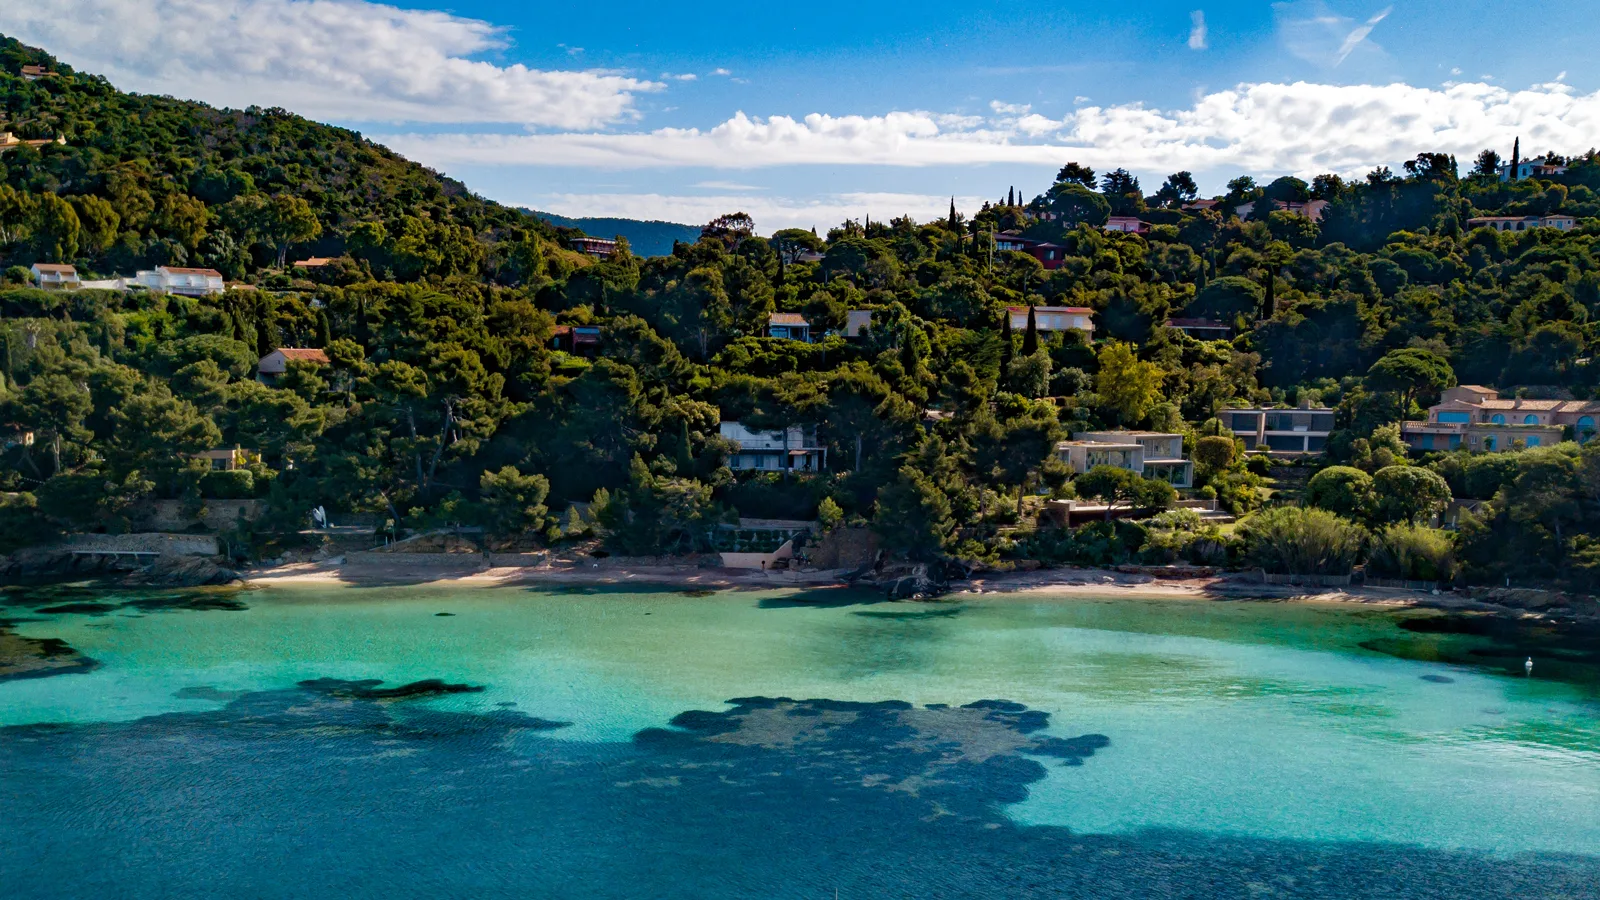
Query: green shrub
(1293,540)
(238,484)
(1342,490)
(1415,553)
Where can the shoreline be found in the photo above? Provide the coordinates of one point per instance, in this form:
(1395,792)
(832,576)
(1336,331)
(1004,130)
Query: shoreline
(1071,582)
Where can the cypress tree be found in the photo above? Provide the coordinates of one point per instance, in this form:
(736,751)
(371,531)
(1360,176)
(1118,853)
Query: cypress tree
(1516,158)
(685,460)
(324,333)
(1007,345)
(1011,197)
(1030,338)
(955,226)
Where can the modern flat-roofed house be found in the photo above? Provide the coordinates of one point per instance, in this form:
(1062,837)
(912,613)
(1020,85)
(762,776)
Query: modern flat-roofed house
(181,280)
(1127,225)
(790,326)
(1053,318)
(55,276)
(1202,329)
(593,246)
(1523,223)
(1476,418)
(274,364)
(791,449)
(1159,456)
(1311,209)
(1287,432)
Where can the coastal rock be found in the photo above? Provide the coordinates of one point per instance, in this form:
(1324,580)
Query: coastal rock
(22,657)
(182,571)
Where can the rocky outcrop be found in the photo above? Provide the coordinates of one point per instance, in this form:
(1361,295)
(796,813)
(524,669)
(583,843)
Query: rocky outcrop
(182,571)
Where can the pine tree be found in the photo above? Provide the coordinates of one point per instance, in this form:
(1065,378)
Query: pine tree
(1030,338)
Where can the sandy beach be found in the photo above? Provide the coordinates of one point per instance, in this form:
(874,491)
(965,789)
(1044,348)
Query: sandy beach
(1056,582)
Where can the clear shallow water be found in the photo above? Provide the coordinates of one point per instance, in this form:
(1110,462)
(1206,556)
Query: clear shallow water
(1153,748)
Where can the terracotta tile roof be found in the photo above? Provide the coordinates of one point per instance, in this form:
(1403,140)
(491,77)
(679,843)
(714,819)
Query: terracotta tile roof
(787,319)
(57,268)
(313,262)
(179,270)
(307,354)
(1477,388)
(1561,406)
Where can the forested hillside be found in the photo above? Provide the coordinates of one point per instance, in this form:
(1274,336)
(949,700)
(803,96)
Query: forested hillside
(446,401)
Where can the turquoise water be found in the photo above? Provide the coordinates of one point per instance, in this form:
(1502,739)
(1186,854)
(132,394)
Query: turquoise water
(1191,748)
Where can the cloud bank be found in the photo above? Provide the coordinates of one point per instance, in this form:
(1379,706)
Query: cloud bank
(336,59)
(1302,128)
(770,213)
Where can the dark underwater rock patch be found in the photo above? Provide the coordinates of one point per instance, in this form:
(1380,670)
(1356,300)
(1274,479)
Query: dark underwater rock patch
(367,689)
(89,608)
(22,657)
(1438,679)
(771,798)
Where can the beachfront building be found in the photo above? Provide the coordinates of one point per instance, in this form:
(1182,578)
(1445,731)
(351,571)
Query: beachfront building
(54,276)
(1282,432)
(1052,318)
(1153,454)
(791,449)
(1476,418)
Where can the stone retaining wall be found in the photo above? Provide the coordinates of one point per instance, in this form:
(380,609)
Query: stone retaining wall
(147,542)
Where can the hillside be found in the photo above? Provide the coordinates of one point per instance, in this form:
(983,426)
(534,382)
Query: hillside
(452,394)
(647,237)
(140,181)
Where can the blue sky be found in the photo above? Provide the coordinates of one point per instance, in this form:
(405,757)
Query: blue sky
(803,114)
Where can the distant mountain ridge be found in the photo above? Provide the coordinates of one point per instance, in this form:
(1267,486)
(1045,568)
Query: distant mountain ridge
(646,238)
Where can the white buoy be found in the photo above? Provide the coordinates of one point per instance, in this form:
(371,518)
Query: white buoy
(1527,667)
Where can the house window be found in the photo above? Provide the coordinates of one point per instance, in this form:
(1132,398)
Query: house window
(1585,428)
(1488,443)
(1530,420)
(1533,440)
(1453,417)
(1497,419)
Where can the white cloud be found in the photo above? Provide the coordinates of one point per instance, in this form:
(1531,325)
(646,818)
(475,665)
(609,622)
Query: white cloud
(722,72)
(1197,30)
(1261,128)
(686,76)
(1009,109)
(340,59)
(726,186)
(770,213)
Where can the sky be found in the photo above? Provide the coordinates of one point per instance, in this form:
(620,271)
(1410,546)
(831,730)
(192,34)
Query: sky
(808,114)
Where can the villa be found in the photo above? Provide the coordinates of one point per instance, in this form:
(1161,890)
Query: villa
(1153,454)
(1281,432)
(1476,418)
(1127,225)
(275,364)
(597,247)
(180,280)
(1049,255)
(789,326)
(1523,223)
(791,449)
(54,276)
(1052,318)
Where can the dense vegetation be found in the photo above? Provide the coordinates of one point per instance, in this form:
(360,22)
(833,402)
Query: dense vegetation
(446,403)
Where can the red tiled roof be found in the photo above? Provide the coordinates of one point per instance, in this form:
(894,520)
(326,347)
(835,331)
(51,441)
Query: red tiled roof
(314,262)
(1561,406)
(307,354)
(55,267)
(787,319)
(179,270)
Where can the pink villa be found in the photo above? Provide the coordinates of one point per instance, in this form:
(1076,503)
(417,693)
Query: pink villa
(1127,224)
(1475,418)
